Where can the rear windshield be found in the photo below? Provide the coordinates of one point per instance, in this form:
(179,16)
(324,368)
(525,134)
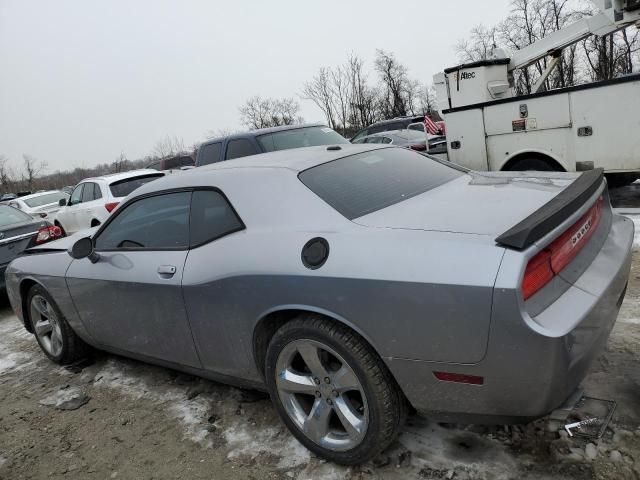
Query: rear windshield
(370,181)
(122,188)
(300,137)
(46,199)
(10,216)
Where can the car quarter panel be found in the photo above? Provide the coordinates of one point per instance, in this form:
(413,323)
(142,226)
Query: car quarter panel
(411,294)
(47,269)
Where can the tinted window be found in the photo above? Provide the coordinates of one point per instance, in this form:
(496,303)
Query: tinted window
(300,137)
(178,162)
(45,199)
(122,188)
(155,222)
(370,181)
(386,127)
(88,193)
(76,196)
(416,126)
(359,136)
(97,193)
(9,216)
(211,217)
(238,148)
(210,153)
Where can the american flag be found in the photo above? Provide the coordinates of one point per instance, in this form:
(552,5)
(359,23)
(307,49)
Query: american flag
(432,128)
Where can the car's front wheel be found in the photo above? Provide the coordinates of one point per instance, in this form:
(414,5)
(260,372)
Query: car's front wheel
(332,390)
(54,335)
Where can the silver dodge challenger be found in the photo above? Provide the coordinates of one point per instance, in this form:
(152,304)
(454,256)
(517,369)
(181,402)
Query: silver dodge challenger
(352,282)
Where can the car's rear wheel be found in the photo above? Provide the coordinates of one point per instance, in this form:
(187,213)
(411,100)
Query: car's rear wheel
(54,335)
(332,390)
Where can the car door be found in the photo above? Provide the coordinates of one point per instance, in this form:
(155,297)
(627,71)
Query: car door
(131,298)
(67,217)
(83,212)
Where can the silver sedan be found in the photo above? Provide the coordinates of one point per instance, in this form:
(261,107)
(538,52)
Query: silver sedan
(350,282)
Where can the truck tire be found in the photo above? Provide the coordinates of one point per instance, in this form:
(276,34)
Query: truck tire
(332,390)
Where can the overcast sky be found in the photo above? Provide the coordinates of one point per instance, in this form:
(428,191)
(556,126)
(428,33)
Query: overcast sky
(81,81)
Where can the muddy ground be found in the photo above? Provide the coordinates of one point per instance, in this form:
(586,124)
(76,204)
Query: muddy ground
(135,421)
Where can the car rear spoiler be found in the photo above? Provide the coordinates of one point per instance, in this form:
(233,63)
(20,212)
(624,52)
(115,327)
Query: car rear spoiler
(553,213)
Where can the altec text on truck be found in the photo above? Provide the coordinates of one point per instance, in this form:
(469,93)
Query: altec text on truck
(571,129)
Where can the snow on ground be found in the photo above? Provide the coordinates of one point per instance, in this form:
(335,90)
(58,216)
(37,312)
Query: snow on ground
(12,336)
(192,414)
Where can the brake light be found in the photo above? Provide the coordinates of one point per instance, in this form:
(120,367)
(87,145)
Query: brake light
(420,147)
(111,206)
(46,234)
(552,260)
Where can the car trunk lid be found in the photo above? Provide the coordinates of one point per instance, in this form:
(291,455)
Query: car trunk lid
(491,204)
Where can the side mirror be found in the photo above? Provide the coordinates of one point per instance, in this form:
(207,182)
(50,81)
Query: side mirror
(83,248)
(62,202)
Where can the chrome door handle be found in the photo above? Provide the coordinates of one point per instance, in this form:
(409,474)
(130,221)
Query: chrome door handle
(166,271)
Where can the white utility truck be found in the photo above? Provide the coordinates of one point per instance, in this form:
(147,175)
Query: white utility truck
(569,129)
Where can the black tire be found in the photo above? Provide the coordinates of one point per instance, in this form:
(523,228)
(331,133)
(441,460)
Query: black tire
(386,405)
(73,348)
(532,164)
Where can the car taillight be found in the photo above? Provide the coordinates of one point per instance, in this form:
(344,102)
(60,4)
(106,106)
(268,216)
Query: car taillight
(420,147)
(111,206)
(47,234)
(552,260)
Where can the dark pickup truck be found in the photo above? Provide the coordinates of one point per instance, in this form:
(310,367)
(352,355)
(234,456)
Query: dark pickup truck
(266,140)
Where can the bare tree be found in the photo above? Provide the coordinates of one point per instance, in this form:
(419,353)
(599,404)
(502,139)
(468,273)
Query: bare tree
(7,176)
(120,164)
(479,45)
(363,98)
(258,112)
(319,90)
(427,100)
(169,146)
(32,168)
(395,85)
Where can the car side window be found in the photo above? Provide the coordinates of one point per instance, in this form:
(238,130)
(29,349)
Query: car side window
(97,193)
(160,222)
(76,195)
(87,193)
(210,153)
(419,127)
(240,147)
(212,217)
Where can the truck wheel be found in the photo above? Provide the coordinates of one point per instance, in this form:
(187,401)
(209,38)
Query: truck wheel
(332,390)
(532,164)
(54,335)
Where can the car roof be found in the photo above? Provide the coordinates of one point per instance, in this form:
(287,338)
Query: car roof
(295,159)
(115,177)
(39,194)
(263,131)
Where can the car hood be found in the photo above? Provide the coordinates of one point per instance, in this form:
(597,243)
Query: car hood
(475,203)
(65,243)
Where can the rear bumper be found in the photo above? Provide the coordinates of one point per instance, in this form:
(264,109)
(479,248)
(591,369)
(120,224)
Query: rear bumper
(532,364)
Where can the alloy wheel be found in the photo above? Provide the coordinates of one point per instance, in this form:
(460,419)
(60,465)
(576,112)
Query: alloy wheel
(46,325)
(322,395)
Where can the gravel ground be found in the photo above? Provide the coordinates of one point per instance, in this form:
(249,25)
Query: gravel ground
(118,418)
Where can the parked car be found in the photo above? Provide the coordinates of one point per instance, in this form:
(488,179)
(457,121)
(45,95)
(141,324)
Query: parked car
(93,199)
(19,231)
(174,163)
(266,140)
(400,123)
(8,197)
(347,281)
(42,204)
(412,139)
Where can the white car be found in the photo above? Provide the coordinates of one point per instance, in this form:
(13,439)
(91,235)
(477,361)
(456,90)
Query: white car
(93,199)
(41,204)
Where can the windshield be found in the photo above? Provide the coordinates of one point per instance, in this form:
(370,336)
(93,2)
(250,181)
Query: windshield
(366,182)
(412,135)
(45,199)
(122,188)
(10,215)
(300,137)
